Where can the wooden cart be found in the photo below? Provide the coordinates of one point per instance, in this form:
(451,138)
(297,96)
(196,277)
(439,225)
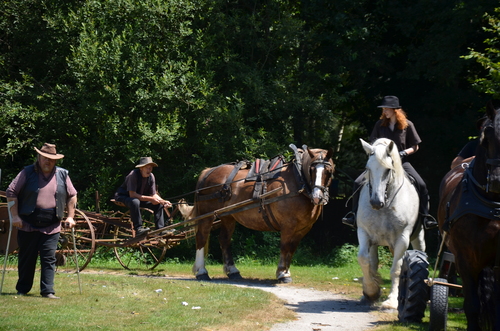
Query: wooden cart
(114,230)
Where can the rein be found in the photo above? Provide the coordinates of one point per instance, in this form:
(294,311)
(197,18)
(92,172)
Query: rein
(387,201)
(217,185)
(301,190)
(485,188)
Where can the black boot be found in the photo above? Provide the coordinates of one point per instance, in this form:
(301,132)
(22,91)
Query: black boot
(350,219)
(429,222)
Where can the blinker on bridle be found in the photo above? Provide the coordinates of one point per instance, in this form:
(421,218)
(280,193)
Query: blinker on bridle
(324,189)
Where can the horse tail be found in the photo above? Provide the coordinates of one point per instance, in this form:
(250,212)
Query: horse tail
(488,292)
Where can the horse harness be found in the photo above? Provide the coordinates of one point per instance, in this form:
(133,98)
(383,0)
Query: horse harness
(472,202)
(260,172)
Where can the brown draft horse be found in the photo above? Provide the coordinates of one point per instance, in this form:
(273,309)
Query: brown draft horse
(469,219)
(293,208)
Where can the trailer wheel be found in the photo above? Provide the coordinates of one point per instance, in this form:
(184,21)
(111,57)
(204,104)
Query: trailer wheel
(66,259)
(413,291)
(438,306)
(144,254)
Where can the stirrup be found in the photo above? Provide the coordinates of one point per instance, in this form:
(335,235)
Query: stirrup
(350,219)
(429,222)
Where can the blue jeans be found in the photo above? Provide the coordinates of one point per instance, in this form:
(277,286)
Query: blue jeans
(30,244)
(135,211)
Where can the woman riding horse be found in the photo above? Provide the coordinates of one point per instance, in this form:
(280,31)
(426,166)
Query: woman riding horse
(394,125)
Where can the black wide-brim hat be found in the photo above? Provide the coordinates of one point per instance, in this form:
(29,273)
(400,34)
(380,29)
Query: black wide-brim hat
(390,101)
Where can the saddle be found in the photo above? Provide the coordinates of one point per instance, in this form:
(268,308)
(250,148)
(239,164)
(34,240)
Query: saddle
(263,170)
(260,171)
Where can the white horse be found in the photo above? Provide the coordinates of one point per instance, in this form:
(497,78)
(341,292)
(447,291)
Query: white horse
(387,216)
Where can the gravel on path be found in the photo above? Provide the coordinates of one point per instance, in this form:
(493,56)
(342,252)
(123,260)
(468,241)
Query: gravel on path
(318,310)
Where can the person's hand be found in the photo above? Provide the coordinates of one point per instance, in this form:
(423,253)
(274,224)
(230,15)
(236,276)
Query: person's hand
(69,223)
(17,222)
(403,154)
(166,203)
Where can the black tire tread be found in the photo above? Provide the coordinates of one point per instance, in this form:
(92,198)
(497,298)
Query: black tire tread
(413,291)
(439,306)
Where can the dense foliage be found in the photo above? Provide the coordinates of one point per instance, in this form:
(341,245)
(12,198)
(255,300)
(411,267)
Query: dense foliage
(199,83)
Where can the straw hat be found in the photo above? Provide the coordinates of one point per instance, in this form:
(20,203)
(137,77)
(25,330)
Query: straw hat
(49,151)
(145,161)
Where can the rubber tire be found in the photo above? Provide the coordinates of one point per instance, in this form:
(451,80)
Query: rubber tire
(439,306)
(413,291)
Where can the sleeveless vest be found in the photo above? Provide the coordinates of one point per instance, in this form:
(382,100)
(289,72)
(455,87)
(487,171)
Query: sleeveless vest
(122,190)
(29,194)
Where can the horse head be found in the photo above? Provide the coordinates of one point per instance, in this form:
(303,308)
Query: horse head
(487,164)
(318,168)
(384,171)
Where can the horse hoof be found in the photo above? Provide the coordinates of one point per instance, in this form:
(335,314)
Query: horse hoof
(366,302)
(203,277)
(235,276)
(285,280)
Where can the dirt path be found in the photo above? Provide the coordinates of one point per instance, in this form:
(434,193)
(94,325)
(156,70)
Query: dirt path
(317,310)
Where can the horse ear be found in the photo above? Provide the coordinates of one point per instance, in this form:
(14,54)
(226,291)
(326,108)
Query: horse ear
(306,163)
(311,154)
(367,147)
(490,110)
(390,147)
(330,153)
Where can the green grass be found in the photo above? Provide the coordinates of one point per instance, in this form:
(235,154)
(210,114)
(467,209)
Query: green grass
(119,302)
(117,299)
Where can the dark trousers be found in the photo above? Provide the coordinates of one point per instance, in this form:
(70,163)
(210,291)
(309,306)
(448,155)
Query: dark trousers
(135,211)
(420,184)
(30,244)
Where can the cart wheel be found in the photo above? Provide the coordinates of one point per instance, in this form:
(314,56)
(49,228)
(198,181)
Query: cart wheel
(147,253)
(85,244)
(439,306)
(413,291)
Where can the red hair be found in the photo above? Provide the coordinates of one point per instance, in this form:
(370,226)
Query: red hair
(401,121)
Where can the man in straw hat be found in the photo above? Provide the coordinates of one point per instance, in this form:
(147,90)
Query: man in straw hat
(139,190)
(41,192)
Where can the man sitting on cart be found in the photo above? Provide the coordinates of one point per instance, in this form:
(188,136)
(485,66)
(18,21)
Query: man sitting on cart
(139,190)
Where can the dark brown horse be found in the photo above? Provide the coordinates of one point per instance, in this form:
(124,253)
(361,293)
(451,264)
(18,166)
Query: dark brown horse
(300,191)
(469,218)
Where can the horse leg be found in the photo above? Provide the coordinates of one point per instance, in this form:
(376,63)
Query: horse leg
(471,302)
(226,232)
(287,249)
(398,250)
(368,261)
(202,235)
(418,243)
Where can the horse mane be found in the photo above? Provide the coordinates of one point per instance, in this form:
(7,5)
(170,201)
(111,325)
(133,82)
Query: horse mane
(391,161)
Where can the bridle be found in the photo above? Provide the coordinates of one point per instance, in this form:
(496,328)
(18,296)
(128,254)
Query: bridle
(324,188)
(388,180)
(490,163)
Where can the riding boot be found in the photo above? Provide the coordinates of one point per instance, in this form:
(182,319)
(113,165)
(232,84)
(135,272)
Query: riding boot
(350,218)
(428,221)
